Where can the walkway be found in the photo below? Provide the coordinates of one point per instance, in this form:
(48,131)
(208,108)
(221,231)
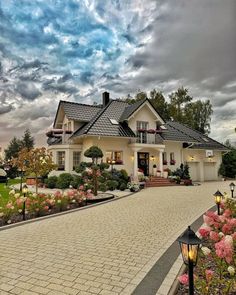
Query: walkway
(106,249)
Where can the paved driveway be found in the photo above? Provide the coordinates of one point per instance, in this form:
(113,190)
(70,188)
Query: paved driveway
(106,249)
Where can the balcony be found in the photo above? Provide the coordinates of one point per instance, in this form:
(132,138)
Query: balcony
(58,136)
(146,137)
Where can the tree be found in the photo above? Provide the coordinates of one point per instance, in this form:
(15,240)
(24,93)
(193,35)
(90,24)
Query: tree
(35,161)
(27,140)
(228,165)
(94,152)
(160,104)
(13,149)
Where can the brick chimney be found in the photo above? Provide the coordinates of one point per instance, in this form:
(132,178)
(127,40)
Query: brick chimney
(105,98)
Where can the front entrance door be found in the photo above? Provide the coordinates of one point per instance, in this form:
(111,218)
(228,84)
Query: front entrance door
(143,162)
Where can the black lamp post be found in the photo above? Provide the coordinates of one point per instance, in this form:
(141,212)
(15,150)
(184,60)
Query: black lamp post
(25,191)
(189,246)
(232,185)
(218,198)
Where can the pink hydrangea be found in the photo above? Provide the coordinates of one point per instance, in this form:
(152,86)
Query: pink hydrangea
(227,228)
(183,279)
(227,213)
(224,248)
(204,231)
(234,236)
(214,236)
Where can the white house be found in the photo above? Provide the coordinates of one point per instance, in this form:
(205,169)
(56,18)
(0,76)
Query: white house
(131,137)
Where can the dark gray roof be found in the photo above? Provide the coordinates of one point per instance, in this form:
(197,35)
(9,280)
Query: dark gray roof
(200,140)
(101,124)
(78,111)
(174,134)
(130,109)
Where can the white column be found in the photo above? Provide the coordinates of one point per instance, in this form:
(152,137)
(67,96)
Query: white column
(161,161)
(135,165)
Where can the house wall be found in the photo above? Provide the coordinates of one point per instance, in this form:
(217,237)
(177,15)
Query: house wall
(144,114)
(176,148)
(204,168)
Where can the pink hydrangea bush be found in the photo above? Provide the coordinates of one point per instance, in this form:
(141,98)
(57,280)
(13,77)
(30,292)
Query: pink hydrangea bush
(215,271)
(41,204)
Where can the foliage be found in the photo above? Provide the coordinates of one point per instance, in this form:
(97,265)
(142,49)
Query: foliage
(228,165)
(13,149)
(64,180)
(37,162)
(182,172)
(181,107)
(27,140)
(216,267)
(94,153)
(123,186)
(102,187)
(40,204)
(112,184)
(133,186)
(51,181)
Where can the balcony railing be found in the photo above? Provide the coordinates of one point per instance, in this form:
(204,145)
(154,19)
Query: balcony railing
(147,138)
(58,136)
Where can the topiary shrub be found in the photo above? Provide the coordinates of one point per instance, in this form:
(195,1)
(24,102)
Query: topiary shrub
(82,166)
(51,181)
(123,186)
(64,180)
(77,181)
(104,166)
(102,187)
(112,184)
(124,175)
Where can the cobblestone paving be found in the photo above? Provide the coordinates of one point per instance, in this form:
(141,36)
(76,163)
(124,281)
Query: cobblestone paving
(106,249)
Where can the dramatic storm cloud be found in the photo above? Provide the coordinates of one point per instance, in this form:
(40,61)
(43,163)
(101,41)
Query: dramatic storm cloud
(76,49)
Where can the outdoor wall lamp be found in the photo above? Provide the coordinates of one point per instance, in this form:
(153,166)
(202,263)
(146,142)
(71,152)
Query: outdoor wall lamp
(189,246)
(232,186)
(25,191)
(218,197)
(152,158)
(192,158)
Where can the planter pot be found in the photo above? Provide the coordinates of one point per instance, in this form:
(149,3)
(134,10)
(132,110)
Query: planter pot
(158,174)
(165,174)
(154,171)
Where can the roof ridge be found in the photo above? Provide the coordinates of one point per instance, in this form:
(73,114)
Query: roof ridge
(83,104)
(97,116)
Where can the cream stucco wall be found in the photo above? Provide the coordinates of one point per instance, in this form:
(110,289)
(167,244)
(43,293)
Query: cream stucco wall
(176,148)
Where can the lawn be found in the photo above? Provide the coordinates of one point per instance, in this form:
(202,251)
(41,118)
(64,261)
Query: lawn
(5,190)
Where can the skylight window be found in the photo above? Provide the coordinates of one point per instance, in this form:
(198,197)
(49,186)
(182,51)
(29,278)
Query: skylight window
(114,122)
(205,139)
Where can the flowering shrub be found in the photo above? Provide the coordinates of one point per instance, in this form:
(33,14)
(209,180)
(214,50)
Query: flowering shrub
(41,204)
(216,267)
(133,186)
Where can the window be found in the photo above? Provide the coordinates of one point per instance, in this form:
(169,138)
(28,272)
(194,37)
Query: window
(76,159)
(164,158)
(172,159)
(114,122)
(61,160)
(142,127)
(116,156)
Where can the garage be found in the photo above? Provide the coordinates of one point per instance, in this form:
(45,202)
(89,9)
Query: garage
(210,172)
(194,171)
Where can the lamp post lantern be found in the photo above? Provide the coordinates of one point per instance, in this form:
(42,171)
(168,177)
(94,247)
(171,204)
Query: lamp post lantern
(232,186)
(218,197)
(189,246)
(25,191)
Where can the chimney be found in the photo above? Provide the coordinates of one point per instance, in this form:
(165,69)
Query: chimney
(105,99)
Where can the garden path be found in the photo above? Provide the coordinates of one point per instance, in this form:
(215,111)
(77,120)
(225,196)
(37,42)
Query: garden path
(107,249)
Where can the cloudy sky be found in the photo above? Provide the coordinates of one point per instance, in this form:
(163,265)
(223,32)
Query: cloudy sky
(76,49)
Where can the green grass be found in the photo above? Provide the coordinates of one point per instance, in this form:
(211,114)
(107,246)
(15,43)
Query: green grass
(5,190)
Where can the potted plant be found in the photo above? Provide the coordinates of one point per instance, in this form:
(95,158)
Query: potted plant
(154,169)
(165,162)
(166,172)
(159,173)
(172,162)
(152,131)
(133,186)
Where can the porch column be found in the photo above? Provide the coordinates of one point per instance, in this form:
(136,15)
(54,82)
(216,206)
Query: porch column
(135,164)
(161,160)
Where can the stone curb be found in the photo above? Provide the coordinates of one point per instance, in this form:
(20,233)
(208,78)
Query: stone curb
(5,227)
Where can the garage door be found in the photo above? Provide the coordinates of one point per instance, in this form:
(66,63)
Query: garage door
(194,171)
(210,172)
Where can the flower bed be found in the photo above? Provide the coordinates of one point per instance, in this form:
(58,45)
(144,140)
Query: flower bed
(37,205)
(215,271)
